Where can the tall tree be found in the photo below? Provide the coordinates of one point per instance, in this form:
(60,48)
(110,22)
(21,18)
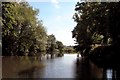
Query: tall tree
(21,32)
(95,23)
(51,44)
(60,46)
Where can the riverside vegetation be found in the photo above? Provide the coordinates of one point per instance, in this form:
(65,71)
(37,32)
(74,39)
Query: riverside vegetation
(97,33)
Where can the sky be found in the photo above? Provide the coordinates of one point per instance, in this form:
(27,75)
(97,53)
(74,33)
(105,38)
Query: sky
(57,19)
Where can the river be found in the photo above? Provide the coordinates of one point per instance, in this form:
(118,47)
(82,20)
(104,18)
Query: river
(68,66)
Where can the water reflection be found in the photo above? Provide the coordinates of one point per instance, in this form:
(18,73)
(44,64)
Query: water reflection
(113,74)
(12,66)
(82,69)
(85,70)
(68,66)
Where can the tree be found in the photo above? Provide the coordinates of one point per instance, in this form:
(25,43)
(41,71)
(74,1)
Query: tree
(95,23)
(51,44)
(21,32)
(69,49)
(8,21)
(60,47)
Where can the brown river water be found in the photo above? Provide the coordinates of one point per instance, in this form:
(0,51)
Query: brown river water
(68,66)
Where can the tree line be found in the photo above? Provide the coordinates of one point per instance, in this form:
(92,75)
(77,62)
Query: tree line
(23,33)
(97,23)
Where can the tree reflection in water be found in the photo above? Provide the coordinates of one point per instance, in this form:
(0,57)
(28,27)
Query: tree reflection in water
(32,67)
(113,74)
(86,70)
(83,69)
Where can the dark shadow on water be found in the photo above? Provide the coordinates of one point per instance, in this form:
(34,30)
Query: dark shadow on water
(112,73)
(86,70)
(83,69)
(27,73)
(31,73)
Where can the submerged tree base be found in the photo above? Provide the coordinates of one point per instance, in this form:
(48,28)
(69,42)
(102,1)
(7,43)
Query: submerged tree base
(60,55)
(106,56)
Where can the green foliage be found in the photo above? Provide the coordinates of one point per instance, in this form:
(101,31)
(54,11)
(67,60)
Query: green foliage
(51,44)
(96,23)
(69,49)
(60,46)
(22,32)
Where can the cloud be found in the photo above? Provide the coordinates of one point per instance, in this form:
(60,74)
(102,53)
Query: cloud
(64,35)
(55,3)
